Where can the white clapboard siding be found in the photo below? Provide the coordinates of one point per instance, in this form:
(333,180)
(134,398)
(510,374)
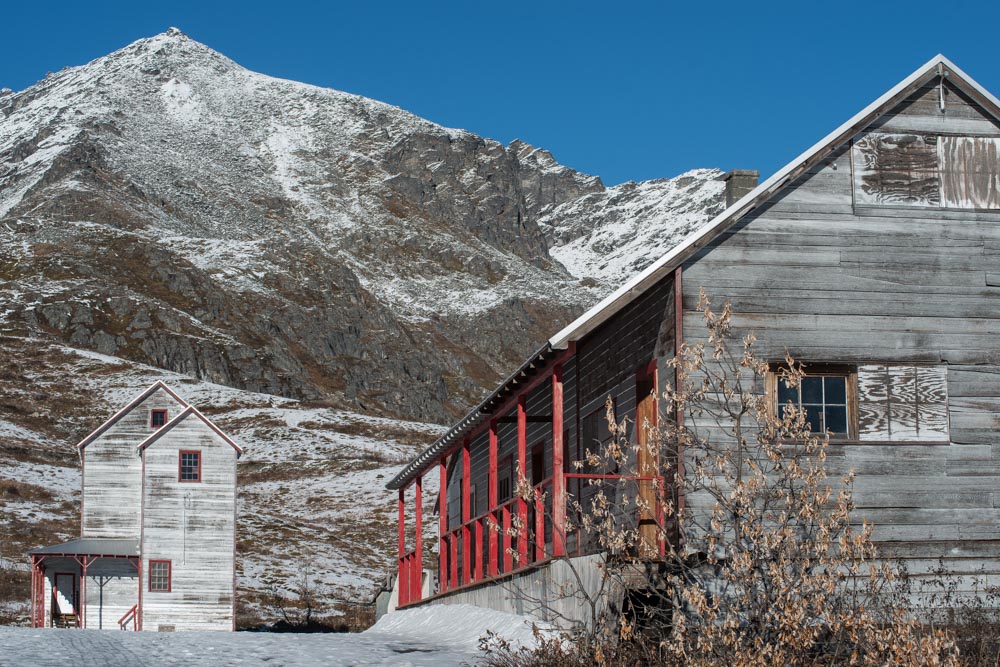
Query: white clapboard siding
(112,470)
(191,524)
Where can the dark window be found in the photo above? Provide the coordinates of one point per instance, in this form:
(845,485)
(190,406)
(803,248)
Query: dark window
(824,398)
(505,475)
(159,576)
(595,437)
(190,466)
(537,463)
(157,418)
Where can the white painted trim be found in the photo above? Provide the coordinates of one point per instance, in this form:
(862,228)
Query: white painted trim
(701,236)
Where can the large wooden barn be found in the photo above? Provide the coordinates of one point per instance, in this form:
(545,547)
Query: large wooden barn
(873,257)
(157,534)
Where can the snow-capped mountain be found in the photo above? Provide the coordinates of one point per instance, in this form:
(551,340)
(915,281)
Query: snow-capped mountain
(166,205)
(334,261)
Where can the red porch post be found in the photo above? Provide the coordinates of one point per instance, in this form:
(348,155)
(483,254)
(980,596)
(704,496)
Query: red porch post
(418,566)
(508,557)
(34,591)
(138,569)
(454,559)
(494,566)
(558,466)
(466,511)
(478,556)
(402,584)
(443,526)
(522,467)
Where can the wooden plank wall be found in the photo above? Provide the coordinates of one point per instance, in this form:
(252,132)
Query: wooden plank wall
(113,471)
(837,278)
(192,525)
(112,589)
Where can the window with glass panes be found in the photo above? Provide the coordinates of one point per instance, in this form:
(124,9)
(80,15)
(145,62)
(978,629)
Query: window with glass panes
(159,576)
(825,400)
(190,466)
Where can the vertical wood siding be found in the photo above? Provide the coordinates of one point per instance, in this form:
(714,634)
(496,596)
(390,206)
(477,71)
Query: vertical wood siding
(835,273)
(190,524)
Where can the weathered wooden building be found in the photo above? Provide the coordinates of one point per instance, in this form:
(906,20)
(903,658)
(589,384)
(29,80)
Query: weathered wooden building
(874,257)
(158,526)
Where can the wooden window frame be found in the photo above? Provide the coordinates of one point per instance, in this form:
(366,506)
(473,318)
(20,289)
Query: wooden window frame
(180,466)
(848,371)
(152,416)
(170,576)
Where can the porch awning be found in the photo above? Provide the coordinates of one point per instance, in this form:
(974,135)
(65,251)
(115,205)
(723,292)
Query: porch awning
(92,546)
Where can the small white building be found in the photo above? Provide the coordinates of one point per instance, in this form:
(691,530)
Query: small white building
(158,528)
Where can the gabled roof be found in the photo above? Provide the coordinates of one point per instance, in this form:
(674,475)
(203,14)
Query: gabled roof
(153,388)
(936,66)
(187,412)
(638,284)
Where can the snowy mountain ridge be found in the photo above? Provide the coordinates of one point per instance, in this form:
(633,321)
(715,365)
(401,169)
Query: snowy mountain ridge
(358,226)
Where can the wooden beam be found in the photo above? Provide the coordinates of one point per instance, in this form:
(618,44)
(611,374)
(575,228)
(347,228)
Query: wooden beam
(522,465)
(466,510)
(558,466)
(402,585)
(533,419)
(419,539)
(443,526)
(492,499)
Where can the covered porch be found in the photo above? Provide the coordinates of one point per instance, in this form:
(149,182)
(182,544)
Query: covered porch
(532,433)
(88,582)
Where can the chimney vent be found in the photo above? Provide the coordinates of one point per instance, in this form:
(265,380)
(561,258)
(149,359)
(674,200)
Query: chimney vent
(738,183)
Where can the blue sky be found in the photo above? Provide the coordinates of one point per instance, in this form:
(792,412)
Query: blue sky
(627,91)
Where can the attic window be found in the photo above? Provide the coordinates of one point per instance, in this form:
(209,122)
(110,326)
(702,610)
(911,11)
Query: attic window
(189,466)
(157,418)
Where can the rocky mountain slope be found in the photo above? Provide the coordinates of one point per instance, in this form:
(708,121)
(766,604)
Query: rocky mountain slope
(165,205)
(325,274)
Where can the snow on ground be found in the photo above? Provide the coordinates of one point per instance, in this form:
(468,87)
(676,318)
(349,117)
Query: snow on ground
(436,635)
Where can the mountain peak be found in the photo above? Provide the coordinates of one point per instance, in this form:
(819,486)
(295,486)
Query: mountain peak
(174,32)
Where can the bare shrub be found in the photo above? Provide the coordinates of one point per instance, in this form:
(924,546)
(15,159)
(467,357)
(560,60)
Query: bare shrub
(762,564)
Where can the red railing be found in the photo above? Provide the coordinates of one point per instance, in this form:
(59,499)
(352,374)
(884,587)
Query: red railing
(129,617)
(410,583)
(484,546)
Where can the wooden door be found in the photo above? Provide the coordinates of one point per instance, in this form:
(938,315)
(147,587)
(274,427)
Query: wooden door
(646,463)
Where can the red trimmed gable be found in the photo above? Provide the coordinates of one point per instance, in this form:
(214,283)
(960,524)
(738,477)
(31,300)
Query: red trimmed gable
(133,404)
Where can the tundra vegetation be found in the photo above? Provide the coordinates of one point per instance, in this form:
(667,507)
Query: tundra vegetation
(764,562)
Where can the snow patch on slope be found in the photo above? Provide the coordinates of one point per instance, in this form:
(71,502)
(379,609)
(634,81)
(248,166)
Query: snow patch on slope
(610,236)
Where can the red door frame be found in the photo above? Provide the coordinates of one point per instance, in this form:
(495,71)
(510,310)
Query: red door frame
(55,592)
